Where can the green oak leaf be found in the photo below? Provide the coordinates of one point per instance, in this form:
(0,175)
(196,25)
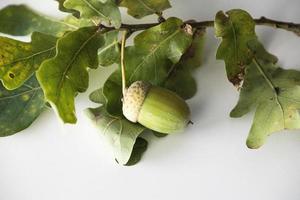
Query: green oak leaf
(180,79)
(182,83)
(150,59)
(20,107)
(140,146)
(62,8)
(19,60)
(20,20)
(274,93)
(193,57)
(155,51)
(112,91)
(142,8)
(159,135)
(98,97)
(121,134)
(106,11)
(63,76)
(77,22)
(109,53)
(236,28)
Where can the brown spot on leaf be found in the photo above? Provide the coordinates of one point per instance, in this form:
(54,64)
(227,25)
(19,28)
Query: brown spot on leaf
(188,29)
(277,90)
(191,51)
(238,79)
(11,75)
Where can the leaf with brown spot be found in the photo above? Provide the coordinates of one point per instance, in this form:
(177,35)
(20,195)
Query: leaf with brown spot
(19,60)
(237,29)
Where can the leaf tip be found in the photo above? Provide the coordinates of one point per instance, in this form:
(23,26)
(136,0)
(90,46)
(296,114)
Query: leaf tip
(233,114)
(65,117)
(254,142)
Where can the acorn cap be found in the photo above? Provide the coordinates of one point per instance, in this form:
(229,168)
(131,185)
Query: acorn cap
(133,100)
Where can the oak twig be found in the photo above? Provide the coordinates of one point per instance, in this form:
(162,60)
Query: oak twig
(288,26)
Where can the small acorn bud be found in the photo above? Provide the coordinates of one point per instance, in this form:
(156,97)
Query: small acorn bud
(155,108)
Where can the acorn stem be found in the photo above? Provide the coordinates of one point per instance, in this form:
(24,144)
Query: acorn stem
(122,62)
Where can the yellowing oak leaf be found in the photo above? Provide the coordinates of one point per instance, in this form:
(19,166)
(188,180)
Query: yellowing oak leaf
(20,107)
(19,60)
(63,76)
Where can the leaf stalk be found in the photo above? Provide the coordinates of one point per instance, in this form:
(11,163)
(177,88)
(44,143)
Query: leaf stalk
(122,62)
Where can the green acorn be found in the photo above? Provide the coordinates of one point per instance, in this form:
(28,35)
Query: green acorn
(155,108)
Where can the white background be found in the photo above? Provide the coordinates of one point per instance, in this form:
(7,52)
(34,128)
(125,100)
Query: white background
(50,161)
